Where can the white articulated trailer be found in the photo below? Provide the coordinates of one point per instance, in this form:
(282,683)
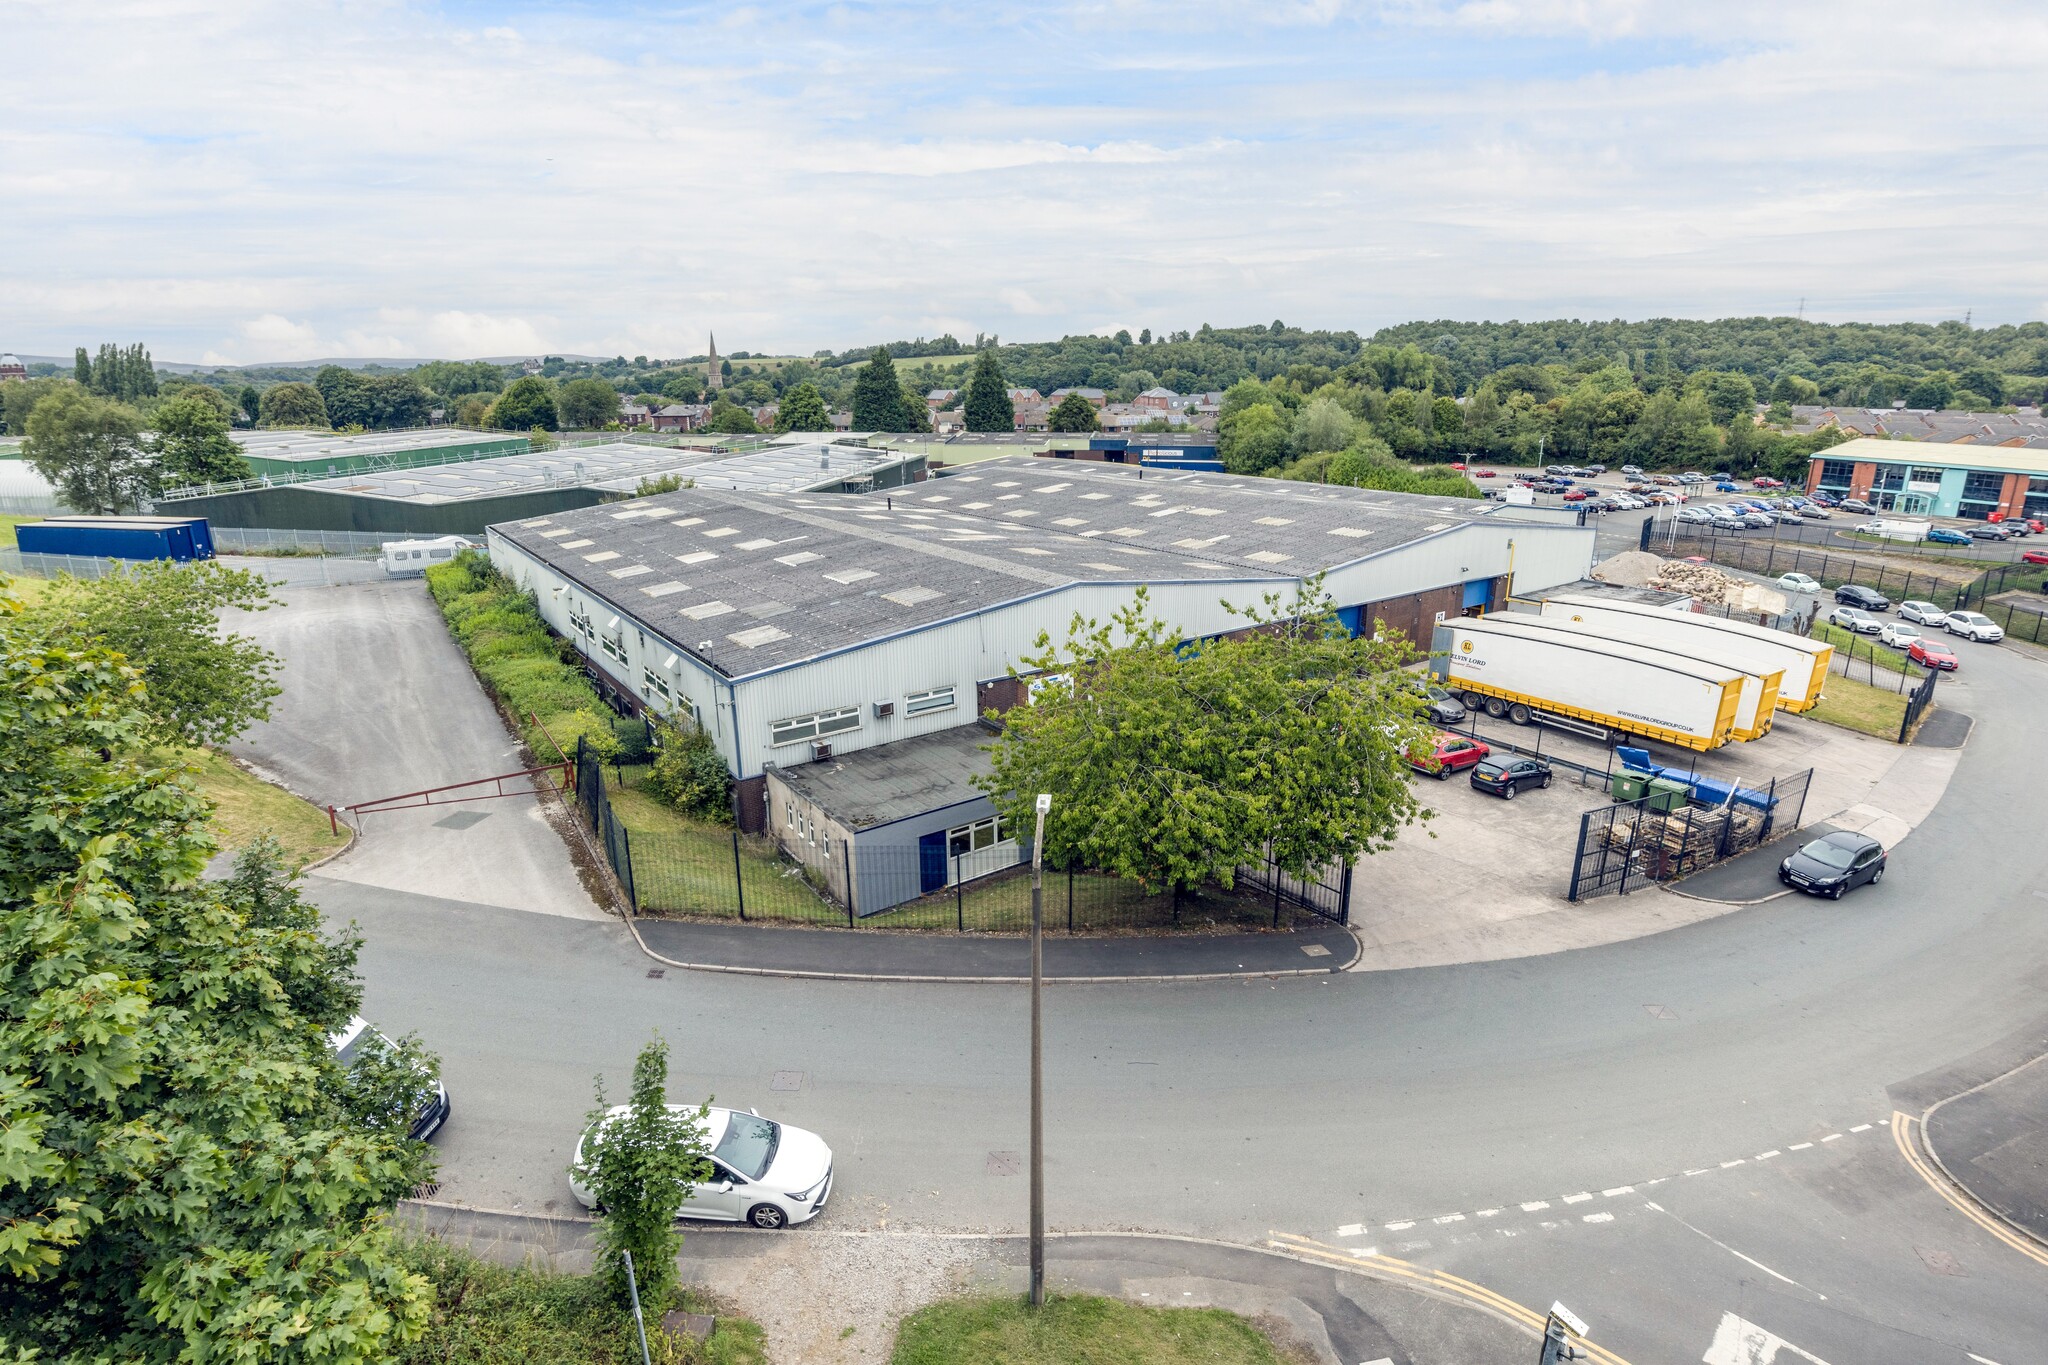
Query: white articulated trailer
(1529,673)
(1805,662)
(1761,677)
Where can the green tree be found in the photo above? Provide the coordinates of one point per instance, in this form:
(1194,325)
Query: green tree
(1322,425)
(730,418)
(641,1160)
(1175,766)
(1931,391)
(1074,413)
(877,394)
(1728,395)
(527,402)
(18,399)
(1982,379)
(689,773)
(249,401)
(192,443)
(803,409)
(587,404)
(1252,440)
(293,405)
(181,1177)
(398,401)
(987,402)
(81,368)
(90,449)
(346,397)
(913,413)
(203,685)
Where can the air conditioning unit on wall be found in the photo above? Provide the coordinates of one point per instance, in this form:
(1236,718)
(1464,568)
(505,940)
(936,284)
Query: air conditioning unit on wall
(820,751)
(884,709)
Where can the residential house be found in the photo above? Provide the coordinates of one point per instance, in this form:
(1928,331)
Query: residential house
(1160,399)
(1095,396)
(635,415)
(1019,396)
(12,368)
(1033,416)
(940,398)
(680,417)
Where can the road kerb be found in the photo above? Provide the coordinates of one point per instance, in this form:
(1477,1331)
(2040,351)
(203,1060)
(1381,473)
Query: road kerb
(1921,1157)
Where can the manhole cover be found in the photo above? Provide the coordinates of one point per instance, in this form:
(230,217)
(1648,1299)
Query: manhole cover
(462,819)
(1004,1163)
(1940,1262)
(433,1187)
(787,1080)
(1660,1012)
(656,973)
(1315,950)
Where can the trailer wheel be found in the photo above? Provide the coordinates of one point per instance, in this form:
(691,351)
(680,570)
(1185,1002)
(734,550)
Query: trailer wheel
(1518,713)
(1474,701)
(1496,708)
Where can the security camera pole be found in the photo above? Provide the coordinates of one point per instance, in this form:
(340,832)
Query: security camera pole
(1044,804)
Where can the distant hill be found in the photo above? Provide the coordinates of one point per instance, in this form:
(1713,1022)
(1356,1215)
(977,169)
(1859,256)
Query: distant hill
(346,362)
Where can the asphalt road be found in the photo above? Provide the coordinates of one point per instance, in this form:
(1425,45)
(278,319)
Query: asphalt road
(1758,1050)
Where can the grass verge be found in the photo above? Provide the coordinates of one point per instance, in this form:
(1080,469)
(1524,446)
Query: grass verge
(1859,706)
(7,525)
(488,1314)
(1861,649)
(1079,1329)
(244,806)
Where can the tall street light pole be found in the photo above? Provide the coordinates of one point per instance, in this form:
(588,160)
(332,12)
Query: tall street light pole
(1044,804)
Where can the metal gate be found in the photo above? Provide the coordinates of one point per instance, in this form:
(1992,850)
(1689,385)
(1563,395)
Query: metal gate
(1624,845)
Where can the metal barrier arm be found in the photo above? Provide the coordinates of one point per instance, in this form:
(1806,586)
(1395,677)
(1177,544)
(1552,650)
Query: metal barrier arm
(434,796)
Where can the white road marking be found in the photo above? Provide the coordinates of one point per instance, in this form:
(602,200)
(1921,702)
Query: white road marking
(1383,1360)
(1449,1218)
(1701,1171)
(1400,1227)
(1832,1137)
(1486,1213)
(1972,1354)
(1618,1189)
(1598,1218)
(1658,1208)
(1535,1204)
(1799,1146)
(1860,1128)
(1578,1198)
(1351,1230)
(1737,1342)
(1766,1156)
(1737,1162)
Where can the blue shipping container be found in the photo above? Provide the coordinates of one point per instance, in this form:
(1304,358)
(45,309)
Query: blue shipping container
(179,538)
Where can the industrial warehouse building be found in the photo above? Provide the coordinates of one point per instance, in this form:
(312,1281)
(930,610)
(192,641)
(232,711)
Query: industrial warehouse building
(321,452)
(841,650)
(1937,479)
(463,498)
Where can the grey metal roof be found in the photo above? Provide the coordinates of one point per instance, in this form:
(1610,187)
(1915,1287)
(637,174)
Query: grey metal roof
(888,782)
(567,467)
(317,446)
(770,580)
(785,468)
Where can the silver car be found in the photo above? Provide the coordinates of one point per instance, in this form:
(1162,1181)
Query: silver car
(1974,625)
(1923,613)
(1849,618)
(762,1172)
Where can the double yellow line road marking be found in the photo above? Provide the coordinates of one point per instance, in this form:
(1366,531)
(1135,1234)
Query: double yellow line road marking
(1909,1143)
(1439,1282)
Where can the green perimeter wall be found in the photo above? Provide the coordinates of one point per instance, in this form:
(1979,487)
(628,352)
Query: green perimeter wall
(308,509)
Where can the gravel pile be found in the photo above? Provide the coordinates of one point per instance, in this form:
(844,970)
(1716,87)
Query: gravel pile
(810,1287)
(1709,584)
(1629,569)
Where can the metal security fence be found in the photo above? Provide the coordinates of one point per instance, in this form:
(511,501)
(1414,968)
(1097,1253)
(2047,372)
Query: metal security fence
(671,865)
(247,540)
(1917,702)
(34,565)
(1628,844)
(1832,568)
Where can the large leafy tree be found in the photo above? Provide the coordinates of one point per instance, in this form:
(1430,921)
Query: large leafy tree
(201,685)
(192,442)
(183,1177)
(399,400)
(90,448)
(1252,439)
(642,1163)
(346,396)
(1074,413)
(803,409)
(587,404)
(730,418)
(877,394)
(988,406)
(527,402)
(293,405)
(1174,762)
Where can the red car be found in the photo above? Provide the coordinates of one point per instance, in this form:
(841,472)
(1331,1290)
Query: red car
(1932,654)
(2035,557)
(1457,465)
(1481,473)
(1766,483)
(1576,495)
(1449,754)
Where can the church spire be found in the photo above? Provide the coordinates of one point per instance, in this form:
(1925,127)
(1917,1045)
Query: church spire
(716,379)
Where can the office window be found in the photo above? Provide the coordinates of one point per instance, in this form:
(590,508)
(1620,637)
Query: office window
(979,835)
(935,699)
(656,685)
(815,726)
(1835,475)
(613,649)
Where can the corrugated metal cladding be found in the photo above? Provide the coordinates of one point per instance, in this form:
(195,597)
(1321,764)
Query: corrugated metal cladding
(964,652)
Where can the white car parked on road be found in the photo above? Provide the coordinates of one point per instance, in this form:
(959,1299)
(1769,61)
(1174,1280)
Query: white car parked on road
(1898,635)
(1974,625)
(764,1173)
(1923,613)
(1849,618)
(1798,582)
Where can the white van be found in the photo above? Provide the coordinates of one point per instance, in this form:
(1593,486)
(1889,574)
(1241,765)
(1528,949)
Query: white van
(404,557)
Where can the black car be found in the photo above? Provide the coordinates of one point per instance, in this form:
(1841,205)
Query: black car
(1834,864)
(1508,774)
(1444,709)
(1867,599)
(1989,533)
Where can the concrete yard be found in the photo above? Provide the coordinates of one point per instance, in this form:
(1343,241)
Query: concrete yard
(1486,879)
(378,701)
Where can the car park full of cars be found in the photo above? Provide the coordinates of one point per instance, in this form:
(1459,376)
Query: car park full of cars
(1447,754)
(1834,864)
(1505,776)
(762,1173)
(1974,625)
(1856,595)
(1932,654)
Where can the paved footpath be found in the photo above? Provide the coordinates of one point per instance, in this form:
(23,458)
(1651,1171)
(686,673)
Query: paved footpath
(967,957)
(1993,1141)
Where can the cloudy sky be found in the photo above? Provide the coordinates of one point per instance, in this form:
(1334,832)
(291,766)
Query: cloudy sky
(243,180)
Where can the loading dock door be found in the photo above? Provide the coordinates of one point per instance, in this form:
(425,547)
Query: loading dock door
(931,862)
(1478,596)
(1353,620)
